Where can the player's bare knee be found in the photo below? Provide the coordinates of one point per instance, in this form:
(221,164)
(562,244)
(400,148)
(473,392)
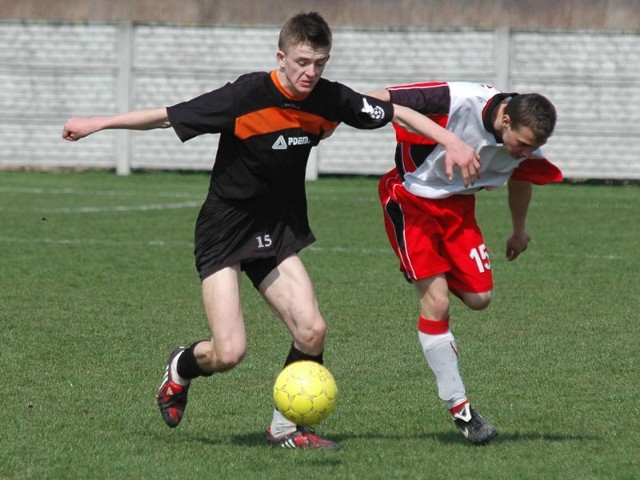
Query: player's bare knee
(312,337)
(229,361)
(228,356)
(478,301)
(437,306)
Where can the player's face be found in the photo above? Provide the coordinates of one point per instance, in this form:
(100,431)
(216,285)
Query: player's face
(301,67)
(520,142)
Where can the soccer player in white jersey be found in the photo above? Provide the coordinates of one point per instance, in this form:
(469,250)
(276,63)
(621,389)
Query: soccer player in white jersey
(430,216)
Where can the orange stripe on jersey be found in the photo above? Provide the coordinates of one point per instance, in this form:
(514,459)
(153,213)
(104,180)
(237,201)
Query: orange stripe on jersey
(275,119)
(283,90)
(404,136)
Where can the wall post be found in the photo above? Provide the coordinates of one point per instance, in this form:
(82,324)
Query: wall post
(124,95)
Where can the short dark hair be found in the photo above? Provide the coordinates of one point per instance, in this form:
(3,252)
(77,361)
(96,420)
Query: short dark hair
(302,28)
(534,111)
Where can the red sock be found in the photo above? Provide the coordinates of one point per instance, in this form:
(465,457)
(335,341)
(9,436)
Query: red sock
(457,408)
(433,327)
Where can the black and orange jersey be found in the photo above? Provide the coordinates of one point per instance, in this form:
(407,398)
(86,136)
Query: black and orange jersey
(266,134)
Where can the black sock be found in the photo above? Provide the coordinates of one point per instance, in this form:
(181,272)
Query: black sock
(188,366)
(296,355)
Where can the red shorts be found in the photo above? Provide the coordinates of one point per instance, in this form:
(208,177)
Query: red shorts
(433,237)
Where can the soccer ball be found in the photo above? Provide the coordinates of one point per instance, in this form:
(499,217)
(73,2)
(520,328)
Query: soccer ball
(305,392)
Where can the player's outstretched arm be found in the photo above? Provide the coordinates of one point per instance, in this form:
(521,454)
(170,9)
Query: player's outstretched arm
(456,151)
(79,127)
(520,193)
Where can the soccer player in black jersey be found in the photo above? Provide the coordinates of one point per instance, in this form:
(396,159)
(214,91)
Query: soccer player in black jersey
(254,218)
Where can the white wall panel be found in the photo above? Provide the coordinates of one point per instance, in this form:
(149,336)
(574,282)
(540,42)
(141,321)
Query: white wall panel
(49,71)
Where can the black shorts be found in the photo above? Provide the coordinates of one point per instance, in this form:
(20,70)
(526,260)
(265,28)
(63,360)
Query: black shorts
(256,233)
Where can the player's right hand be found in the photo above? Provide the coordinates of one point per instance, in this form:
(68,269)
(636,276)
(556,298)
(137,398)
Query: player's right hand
(76,128)
(466,158)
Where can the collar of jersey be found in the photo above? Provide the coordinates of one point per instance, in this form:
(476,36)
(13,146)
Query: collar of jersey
(276,81)
(489,108)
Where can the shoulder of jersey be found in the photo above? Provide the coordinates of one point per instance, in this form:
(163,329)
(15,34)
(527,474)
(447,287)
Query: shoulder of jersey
(473,89)
(252,77)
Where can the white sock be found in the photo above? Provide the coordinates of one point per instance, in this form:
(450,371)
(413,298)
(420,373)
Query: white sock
(175,376)
(442,356)
(280,425)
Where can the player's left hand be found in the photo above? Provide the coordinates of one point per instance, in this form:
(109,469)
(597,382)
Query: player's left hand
(516,244)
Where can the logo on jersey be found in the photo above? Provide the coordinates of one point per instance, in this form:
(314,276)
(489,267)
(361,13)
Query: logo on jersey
(282,144)
(376,113)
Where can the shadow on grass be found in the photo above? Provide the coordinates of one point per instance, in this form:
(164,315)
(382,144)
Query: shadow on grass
(258,438)
(454,437)
(174,437)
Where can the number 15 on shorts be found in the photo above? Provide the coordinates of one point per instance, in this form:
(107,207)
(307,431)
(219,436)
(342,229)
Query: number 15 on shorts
(264,241)
(481,256)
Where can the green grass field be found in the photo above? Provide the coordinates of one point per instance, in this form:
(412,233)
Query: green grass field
(97,285)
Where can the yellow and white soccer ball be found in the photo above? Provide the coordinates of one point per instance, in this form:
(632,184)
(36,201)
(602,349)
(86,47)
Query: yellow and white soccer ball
(305,392)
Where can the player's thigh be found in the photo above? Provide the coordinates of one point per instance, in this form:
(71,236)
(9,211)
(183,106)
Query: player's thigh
(289,291)
(414,230)
(221,298)
(470,265)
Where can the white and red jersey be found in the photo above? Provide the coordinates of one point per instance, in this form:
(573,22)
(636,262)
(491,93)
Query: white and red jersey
(467,110)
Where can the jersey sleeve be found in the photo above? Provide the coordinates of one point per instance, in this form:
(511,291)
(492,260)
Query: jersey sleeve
(211,112)
(538,171)
(373,113)
(432,99)
(361,111)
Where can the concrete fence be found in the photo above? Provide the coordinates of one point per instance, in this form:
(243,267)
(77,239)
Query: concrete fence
(50,71)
